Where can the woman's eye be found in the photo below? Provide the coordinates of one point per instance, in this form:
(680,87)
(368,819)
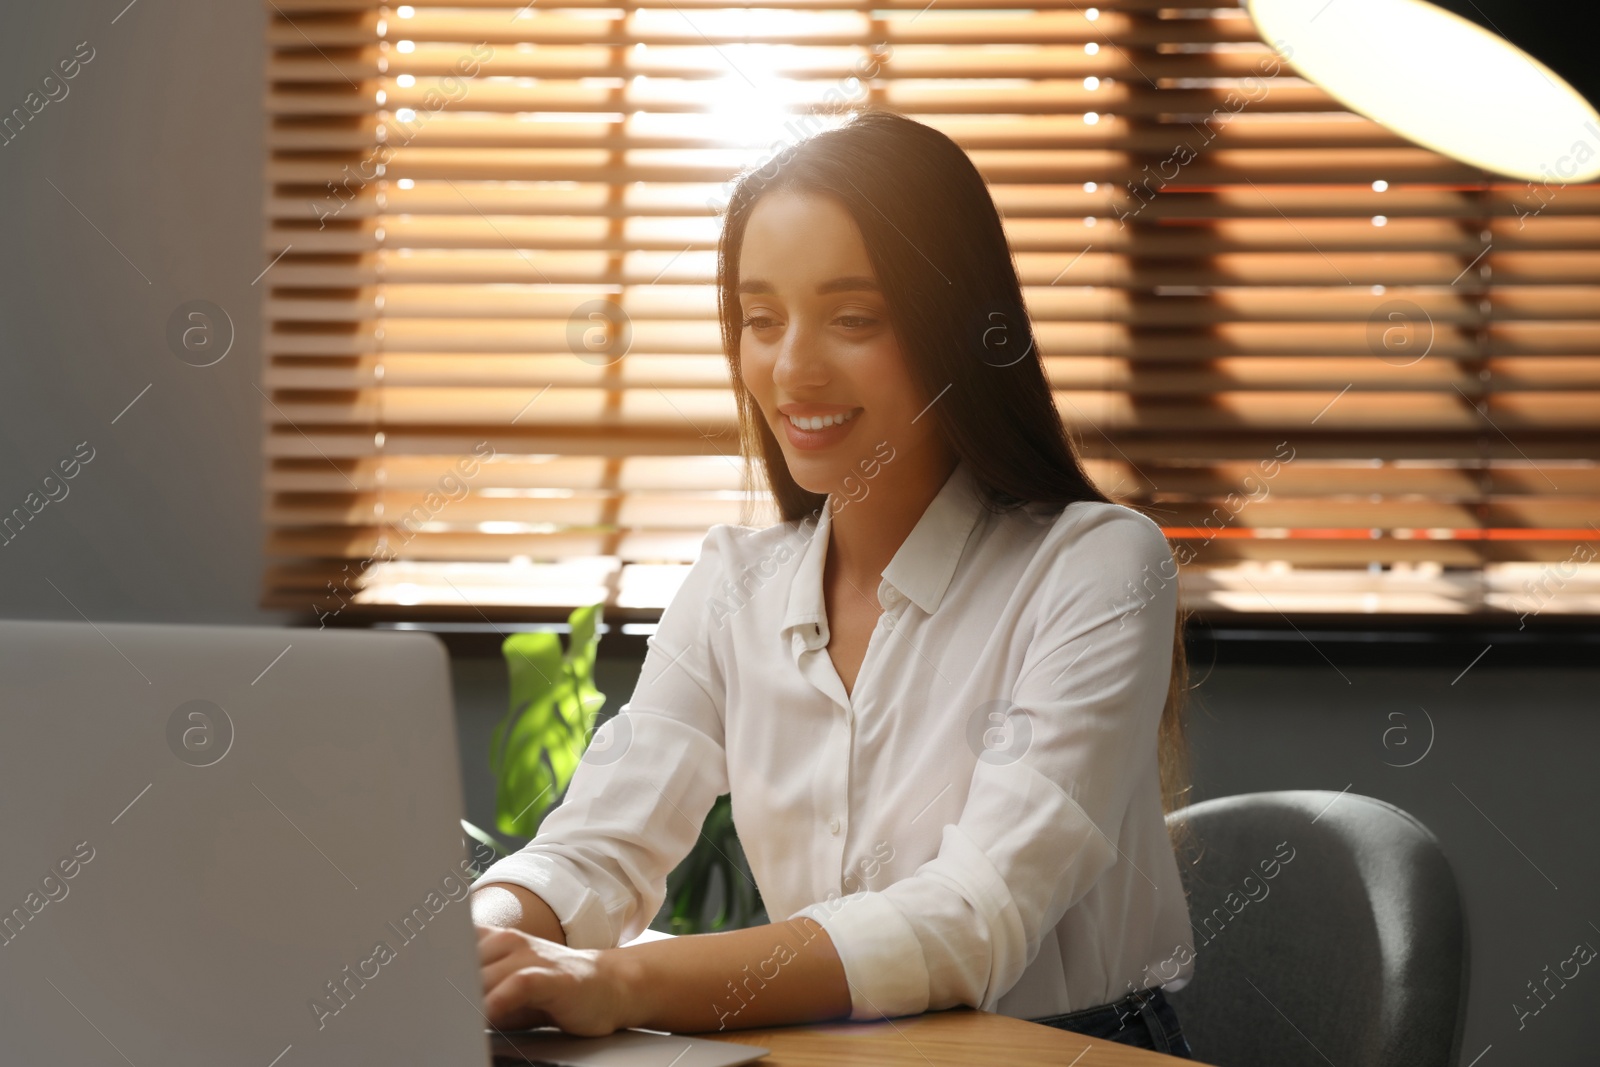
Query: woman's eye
(851,322)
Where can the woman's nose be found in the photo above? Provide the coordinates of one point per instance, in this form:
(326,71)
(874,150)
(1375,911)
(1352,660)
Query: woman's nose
(799,365)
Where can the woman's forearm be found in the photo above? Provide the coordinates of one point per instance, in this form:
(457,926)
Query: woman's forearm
(772,975)
(505,904)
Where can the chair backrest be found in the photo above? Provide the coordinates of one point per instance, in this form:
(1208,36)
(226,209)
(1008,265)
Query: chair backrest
(1327,929)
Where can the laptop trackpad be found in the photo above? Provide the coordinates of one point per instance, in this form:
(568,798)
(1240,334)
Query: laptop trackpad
(625,1048)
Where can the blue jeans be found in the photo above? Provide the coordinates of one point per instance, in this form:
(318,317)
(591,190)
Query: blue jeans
(1143,1019)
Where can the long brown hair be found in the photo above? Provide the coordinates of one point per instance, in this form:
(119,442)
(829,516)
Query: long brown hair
(935,240)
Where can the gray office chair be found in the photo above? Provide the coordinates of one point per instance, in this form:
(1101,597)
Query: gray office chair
(1327,929)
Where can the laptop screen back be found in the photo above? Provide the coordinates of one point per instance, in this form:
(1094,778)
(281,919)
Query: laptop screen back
(231,845)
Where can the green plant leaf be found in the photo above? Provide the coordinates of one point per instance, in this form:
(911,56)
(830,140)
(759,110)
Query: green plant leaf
(553,703)
(716,855)
(484,837)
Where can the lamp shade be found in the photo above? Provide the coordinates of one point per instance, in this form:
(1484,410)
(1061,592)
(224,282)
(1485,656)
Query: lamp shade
(1501,85)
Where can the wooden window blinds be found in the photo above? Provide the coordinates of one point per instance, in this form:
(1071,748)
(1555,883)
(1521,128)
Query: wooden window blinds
(1346,374)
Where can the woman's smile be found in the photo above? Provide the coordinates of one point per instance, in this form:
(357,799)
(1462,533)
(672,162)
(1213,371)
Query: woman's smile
(811,427)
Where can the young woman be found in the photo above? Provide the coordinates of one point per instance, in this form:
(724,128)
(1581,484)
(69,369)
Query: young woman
(944,692)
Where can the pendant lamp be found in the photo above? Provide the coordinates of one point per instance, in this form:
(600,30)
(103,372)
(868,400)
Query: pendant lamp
(1506,85)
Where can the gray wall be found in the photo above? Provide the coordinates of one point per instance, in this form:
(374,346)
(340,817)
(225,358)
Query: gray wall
(159,144)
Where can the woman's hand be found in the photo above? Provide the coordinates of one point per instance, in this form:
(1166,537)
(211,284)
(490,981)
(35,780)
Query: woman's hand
(529,982)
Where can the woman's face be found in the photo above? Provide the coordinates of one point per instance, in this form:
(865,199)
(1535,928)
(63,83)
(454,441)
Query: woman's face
(817,345)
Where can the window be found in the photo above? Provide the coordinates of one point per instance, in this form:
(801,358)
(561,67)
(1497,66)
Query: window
(1346,374)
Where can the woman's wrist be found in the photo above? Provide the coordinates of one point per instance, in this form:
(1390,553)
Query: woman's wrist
(629,978)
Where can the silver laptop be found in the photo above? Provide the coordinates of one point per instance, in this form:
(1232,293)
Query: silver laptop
(243,845)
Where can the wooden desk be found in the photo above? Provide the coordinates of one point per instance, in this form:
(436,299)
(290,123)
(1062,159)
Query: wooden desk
(959,1037)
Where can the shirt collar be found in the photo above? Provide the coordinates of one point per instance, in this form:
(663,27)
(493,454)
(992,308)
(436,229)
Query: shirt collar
(921,569)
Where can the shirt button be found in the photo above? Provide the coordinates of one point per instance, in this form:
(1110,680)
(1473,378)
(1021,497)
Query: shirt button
(833,826)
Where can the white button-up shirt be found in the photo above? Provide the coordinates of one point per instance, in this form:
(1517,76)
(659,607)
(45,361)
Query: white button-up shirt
(979,822)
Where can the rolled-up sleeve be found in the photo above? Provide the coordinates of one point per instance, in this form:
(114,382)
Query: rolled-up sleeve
(1038,828)
(638,798)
